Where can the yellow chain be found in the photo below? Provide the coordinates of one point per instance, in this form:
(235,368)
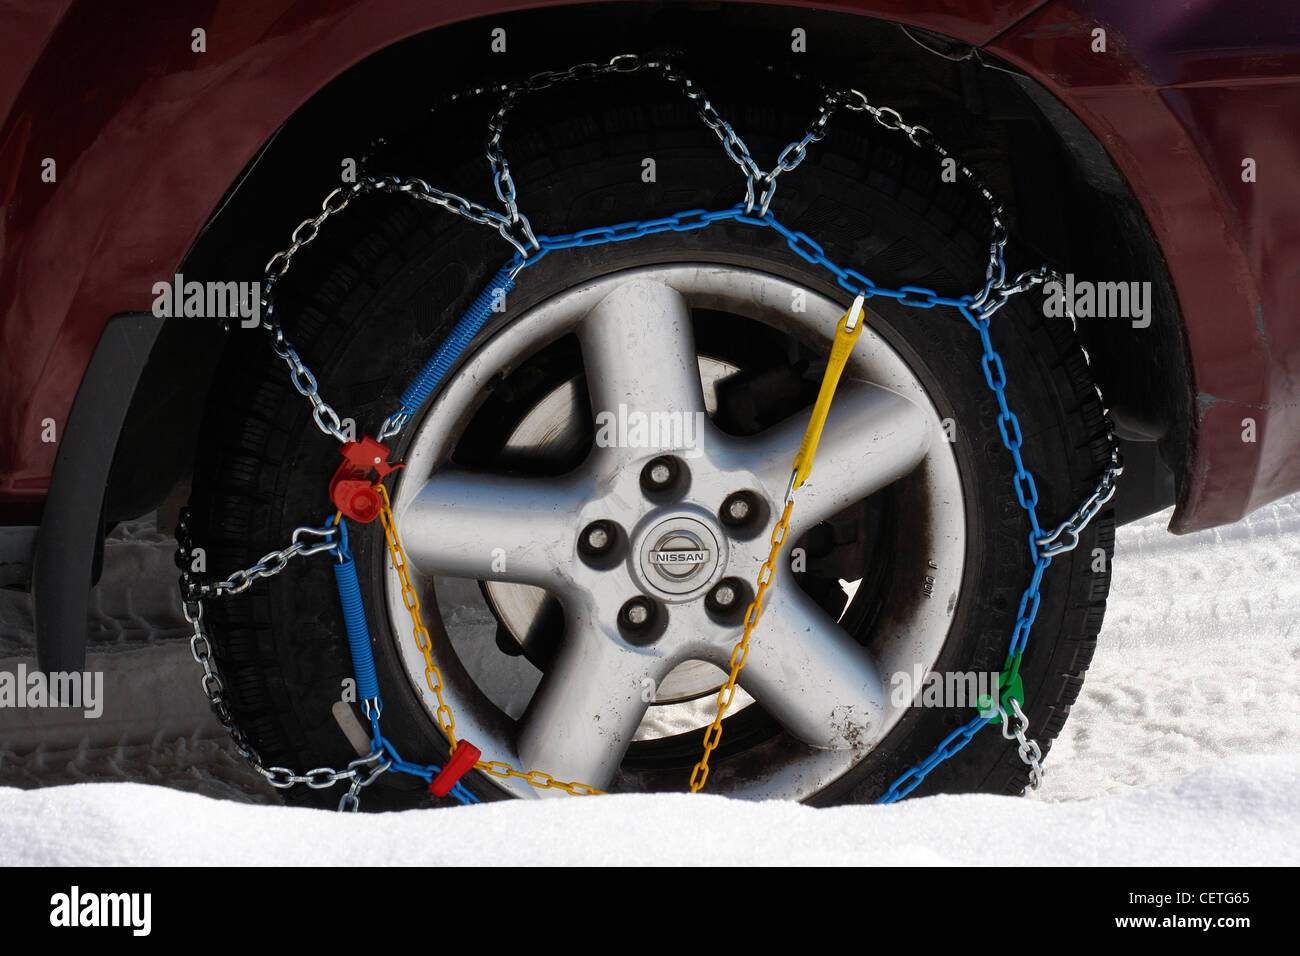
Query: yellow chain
(845,335)
(535,778)
(433,676)
(713,735)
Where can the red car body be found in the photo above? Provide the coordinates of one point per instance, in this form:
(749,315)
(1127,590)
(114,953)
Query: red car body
(148,137)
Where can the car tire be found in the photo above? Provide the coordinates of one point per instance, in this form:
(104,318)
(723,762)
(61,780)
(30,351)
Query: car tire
(368,302)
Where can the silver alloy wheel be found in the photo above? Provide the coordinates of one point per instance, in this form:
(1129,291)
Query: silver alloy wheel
(831,694)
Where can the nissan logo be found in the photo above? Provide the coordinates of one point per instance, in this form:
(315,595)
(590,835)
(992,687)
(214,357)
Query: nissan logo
(679,556)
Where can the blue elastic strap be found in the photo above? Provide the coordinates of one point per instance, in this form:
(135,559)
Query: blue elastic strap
(449,350)
(354,618)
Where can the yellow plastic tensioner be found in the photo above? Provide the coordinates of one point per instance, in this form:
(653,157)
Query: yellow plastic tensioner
(846,334)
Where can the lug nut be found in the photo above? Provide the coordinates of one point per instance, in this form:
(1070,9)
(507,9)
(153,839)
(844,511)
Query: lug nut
(601,544)
(727,600)
(659,473)
(597,537)
(637,614)
(738,508)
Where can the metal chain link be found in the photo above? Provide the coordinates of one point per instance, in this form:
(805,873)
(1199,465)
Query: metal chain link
(922,138)
(269,564)
(1066,536)
(732,144)
(794,153)
(323,414)
(502,182)
(361,772)
(1030,753)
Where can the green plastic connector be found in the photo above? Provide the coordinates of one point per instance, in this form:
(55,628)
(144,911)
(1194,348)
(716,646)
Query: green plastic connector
(1010,687)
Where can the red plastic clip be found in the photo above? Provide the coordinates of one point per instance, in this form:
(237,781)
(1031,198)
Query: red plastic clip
(352,489)
(459,764)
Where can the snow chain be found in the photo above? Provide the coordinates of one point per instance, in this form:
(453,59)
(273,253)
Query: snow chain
(362,496)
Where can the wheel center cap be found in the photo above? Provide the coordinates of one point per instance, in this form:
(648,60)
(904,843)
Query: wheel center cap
(679,554)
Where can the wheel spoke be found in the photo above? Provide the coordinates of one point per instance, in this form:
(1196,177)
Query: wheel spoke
(492,527)
(810,675)
(642,372)
(586,710)
(872,438)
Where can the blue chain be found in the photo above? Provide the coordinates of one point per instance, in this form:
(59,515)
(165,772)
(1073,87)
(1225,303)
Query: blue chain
(800,243)
(995,376)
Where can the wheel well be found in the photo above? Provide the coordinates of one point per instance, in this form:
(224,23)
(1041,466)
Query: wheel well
(1067,203)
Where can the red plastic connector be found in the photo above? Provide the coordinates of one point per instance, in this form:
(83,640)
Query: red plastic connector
(459,764)
(352,487)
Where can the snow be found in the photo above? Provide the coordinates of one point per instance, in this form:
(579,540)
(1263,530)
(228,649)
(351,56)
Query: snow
(1240,811)
(1199,656)
(133,603)
(1184,749)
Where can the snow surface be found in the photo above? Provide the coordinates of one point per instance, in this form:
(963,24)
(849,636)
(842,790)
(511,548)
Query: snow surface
(1184,748)
(1198,660)
(1240,811)
(134,602)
